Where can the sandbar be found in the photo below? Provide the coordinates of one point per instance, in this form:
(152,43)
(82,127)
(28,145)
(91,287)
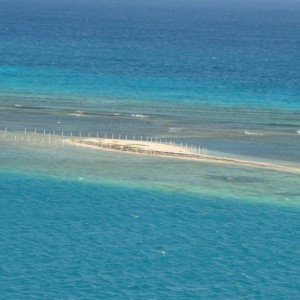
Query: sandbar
(172,151)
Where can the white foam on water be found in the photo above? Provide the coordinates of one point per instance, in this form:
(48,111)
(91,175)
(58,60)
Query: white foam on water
(76,115)
(139,116)
(252,133)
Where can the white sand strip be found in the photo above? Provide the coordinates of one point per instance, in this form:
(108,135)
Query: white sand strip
(165,150)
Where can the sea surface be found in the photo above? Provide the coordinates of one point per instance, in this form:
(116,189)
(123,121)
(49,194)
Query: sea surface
(84,224)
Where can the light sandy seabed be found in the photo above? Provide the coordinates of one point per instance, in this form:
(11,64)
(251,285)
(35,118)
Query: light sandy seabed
(174,151)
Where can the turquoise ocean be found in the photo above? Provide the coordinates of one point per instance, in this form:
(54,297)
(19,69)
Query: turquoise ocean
(84,224)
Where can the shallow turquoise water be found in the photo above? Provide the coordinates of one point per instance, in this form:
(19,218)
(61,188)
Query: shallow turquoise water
(82,224)
(66,239)
(79,223)
(204,179)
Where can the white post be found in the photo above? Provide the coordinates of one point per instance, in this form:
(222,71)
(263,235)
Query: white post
(62,133)
(126,137)
(112,136)
(119,136)
(71,133)
(80,134)
(25,131)
(35,131)
(105,135)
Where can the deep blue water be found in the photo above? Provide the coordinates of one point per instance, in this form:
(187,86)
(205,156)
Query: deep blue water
(176,51)
(200,67)
(78,240)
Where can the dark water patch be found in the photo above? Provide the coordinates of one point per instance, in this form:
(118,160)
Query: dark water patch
(236,179)
(21,107)
(292,126)
(289,194)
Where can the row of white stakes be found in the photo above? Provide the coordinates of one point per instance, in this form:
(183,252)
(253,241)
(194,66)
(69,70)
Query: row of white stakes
(193,148)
